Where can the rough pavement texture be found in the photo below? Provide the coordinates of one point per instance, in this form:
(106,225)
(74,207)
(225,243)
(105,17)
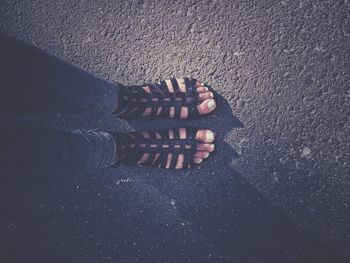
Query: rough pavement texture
(282,69)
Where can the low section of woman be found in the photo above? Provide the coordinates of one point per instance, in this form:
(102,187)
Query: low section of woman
(33,81)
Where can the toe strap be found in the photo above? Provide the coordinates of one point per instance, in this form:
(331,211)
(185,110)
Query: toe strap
(191,91)
(131,102)
(158,148)
(164,98)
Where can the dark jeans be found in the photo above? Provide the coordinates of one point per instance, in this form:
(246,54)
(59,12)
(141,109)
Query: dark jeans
(33,81)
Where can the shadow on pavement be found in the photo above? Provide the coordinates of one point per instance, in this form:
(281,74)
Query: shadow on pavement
(132,214)
(209,214)
(223,213)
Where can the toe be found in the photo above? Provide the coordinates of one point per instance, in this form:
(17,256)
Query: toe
(198,160)
(205,136)
(209,147)
(206,106)
(199,84)
(201,154)
(202,89)
(205,96)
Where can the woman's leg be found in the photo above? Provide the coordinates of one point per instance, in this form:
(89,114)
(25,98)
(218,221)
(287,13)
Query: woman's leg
(33,81)
(28,152)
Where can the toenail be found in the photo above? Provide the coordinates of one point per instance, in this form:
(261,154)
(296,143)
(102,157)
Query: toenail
(206,155)
(211,95)
(202,84)
(209,136)
(206,89)
(211,104)
(198,161)
(212,146)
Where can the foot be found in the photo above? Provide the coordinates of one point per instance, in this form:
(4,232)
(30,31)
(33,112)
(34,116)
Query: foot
(176,148)
(175,98)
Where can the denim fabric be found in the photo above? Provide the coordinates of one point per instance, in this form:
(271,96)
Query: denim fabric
(38,152)
(33,81)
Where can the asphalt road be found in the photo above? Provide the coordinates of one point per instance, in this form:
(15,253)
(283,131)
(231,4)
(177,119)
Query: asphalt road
(277,189)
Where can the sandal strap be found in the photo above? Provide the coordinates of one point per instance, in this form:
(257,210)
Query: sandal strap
(134,100)
(192,92)
(131,147)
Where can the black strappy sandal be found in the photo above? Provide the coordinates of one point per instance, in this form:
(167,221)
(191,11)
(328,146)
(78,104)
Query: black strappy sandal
(134,100)
(157,147)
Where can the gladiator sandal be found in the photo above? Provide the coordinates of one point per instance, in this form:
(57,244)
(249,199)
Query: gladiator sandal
(162,148)
(160,99)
